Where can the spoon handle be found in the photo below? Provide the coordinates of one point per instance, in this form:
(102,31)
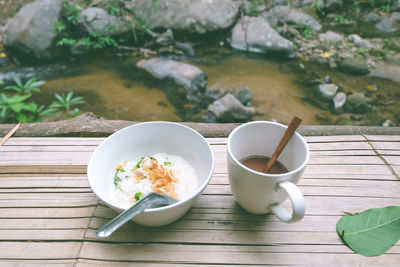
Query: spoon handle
(127,215)
(285,139)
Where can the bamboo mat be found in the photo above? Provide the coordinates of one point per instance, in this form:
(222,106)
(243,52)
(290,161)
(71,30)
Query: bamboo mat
(49,216)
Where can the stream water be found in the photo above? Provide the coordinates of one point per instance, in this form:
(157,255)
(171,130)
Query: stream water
(115,89)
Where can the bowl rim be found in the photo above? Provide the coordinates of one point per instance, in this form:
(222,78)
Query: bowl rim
(160,209)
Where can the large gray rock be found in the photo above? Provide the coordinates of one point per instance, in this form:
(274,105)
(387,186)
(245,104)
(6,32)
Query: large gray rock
(386,26)
(332,5)
(254,34)
(358,41)
(371,17)
(229,109)
(328,91)
(243,94)
(97,21)
(31,31)
(396,6)
(339,102)
(354,66)
(330,36)
(396,16)
(196,16)
(387,71)
(291,16)
(357,103)
(189,77)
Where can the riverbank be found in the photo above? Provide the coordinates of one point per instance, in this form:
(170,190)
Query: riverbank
(326,72)
(90,125)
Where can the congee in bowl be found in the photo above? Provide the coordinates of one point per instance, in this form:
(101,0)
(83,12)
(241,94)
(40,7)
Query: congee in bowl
(163,157)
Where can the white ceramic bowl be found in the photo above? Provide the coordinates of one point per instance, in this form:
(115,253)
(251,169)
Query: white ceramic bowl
(149,138)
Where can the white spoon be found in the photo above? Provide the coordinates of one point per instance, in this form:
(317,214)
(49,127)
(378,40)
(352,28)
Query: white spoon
(153,199)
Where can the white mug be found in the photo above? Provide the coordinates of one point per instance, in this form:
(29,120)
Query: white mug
(260,193)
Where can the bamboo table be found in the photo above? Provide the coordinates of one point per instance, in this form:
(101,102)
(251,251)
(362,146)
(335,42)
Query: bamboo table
(49,215)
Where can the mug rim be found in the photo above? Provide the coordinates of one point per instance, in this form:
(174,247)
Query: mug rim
(269,175)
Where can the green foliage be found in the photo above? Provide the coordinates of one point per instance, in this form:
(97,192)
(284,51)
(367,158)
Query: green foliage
(66,104)
(72,11)
(371,232)
(18,106)
(30,86)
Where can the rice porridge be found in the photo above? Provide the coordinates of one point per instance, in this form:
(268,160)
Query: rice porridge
(161,173)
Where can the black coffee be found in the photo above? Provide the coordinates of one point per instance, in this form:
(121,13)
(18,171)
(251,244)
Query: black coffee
(258,163)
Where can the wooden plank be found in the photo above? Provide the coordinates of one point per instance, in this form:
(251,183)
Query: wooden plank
(44,182)
(48,196)
(345,160)
(59,148)
(46,203)
(334,138)
(42,169)
(39,251)
(343,153)
(41,223)
(54,141)
(35,262)
(392,160)
(215,255)
(43,212)
(339,146)
(385,138)
(42,235)
(229,222)
(315,205)
(388,152)
(329,190)
(386,145)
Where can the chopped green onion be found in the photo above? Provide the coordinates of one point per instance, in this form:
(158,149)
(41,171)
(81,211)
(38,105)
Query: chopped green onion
(138,164)
(116,178)
(138,195)
(167,163)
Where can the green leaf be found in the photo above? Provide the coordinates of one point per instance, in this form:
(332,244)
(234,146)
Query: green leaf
(371,232)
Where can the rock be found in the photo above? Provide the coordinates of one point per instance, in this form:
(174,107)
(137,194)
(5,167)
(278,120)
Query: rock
(302,3)
(186,48)
(254,34)
(371,17)
(386,26)
(386,71)
(166,38)
(332,5)
(40,72)
(243,94)
(395,6)
(354,66)
(189,77)
(330,36)
(98,22)
(396,16)
(388,123)
(229,109)
(80,48)
(357,103)
(328,91)
(291,16)
(196,16)
(339,102)
(359,42)
(31,31)
(327,79)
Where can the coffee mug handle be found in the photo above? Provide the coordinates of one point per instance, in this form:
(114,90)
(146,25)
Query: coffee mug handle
(297,200)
